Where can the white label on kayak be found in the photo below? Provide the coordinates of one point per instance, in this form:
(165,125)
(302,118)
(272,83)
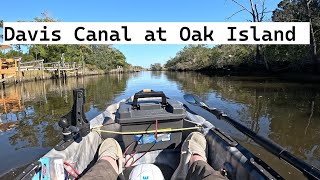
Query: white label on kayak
(164,137)
(59,169)
(149,138)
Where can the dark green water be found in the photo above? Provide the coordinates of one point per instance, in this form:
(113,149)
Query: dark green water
(287,113)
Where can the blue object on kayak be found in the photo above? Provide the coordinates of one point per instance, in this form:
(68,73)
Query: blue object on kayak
(44,173)
(149,138)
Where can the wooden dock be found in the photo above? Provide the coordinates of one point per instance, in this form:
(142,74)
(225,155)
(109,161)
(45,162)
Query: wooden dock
(13,68)
(120,69)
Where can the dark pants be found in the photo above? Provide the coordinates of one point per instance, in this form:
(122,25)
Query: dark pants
(101,170)
(203,171)
(198,170)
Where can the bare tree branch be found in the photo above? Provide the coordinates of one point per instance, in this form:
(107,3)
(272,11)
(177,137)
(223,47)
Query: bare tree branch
(257,14)
(253,11)
(242,6)
(228,18)
(263,11)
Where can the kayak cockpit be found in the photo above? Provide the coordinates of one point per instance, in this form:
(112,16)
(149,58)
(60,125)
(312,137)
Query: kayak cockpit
(165,128)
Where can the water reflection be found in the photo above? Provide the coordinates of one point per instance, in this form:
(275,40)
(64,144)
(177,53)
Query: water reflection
(29,112)
(287,113)
(156,74)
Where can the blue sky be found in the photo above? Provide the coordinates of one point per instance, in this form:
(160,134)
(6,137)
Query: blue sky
(131,11)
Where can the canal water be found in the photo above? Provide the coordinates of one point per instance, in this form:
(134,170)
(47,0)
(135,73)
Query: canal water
(287,113)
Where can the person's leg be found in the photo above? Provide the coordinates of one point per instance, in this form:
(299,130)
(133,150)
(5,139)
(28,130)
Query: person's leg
(109,165)
(201,170)
(193,162)
(101,170)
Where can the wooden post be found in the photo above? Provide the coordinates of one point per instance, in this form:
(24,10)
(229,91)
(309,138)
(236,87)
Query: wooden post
(60,88)
(22,93)
(2,75)
(45,92)
(42,69)
(77,71)
(4,101)
(19,71)
(16,68)
(59,70)
(22,72)
(82,68)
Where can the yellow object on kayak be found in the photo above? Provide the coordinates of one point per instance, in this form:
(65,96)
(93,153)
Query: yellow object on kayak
(147,132)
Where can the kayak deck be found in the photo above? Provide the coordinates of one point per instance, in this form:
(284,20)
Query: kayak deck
(224,154)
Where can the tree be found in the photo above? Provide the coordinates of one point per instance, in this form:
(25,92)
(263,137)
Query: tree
(303,11)
(106,57)
(258,15)
(231,56)
(45,18)
(103,57)
(156,67)
(310,4)
(15,54)
(191,57)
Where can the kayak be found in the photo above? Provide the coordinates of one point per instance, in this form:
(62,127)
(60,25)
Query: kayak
(150,128)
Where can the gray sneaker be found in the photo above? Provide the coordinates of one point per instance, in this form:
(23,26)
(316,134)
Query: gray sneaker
(110,147)
(195,143)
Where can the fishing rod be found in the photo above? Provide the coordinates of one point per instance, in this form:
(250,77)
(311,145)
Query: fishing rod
(309,171)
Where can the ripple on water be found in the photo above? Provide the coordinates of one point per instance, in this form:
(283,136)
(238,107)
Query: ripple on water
(287,113)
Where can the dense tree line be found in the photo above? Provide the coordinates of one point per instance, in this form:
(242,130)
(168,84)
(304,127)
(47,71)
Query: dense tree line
(103,57)
(200,57)
(156,67)
(274,58)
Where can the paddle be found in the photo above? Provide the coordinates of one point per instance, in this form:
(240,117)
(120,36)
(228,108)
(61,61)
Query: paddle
(308,170)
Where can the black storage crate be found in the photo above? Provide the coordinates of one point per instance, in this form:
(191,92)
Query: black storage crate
(141,115)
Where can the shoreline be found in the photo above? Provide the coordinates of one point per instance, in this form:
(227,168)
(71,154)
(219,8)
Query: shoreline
(297,77)
(48,76)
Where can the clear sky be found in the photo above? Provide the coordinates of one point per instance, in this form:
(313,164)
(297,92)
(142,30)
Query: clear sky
(131,11)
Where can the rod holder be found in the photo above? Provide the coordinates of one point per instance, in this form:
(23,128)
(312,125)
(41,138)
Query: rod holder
(74,124)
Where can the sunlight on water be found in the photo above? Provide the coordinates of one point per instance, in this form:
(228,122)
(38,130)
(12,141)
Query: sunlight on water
(287,113)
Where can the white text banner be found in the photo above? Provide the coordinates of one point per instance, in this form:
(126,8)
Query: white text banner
(156,33)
